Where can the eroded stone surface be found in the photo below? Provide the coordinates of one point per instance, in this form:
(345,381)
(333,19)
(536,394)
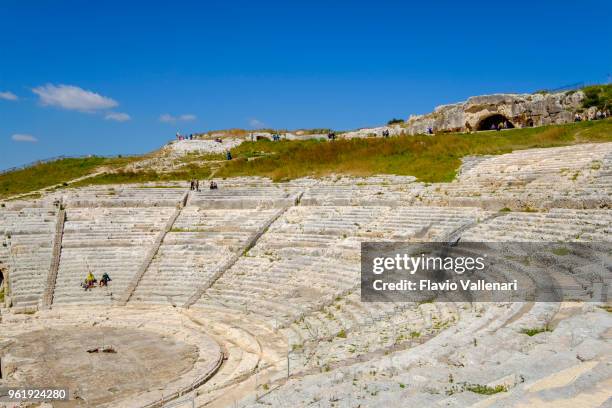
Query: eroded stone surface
(59,358)
(521,110)
(158,353)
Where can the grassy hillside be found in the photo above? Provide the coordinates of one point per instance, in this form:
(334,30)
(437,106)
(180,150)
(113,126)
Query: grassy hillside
(57,172)
(429,158)
(188,172)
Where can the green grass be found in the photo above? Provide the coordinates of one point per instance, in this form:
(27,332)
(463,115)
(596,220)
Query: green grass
(607,308)
(185,173)
(429,158)
(430,300)
(485,389)
(47,174)
(201,157)
(536,330)
(561,251)
(186,230)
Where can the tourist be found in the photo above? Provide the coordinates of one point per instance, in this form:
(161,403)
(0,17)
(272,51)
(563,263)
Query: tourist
(105,279)
(228,155)
(197,185)
(577,118)
(90,281)
(191,185)
(213,185)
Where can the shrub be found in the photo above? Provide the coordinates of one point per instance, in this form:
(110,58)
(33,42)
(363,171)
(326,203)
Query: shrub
(395,121)
(599,96)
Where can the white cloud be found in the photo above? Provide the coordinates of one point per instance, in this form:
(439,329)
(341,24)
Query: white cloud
(8,96)
(255,123)
(20,137)
(187,117)
(117,116)
(167,118)
(73,98)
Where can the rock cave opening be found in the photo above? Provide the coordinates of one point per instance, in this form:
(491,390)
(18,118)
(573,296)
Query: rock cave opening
(491,122)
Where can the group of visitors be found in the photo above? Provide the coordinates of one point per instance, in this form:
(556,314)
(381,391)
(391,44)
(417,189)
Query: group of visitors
(331,135)
(90,281)
(385,133)
(194,185)
(598,115)
(183,137)
(276,137)
(499,126)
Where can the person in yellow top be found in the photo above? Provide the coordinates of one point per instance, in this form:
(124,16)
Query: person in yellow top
(90,280)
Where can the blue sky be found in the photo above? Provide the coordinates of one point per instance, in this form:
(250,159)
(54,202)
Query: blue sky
(109,77)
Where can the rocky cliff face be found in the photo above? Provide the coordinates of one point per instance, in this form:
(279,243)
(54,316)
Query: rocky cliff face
(519,110)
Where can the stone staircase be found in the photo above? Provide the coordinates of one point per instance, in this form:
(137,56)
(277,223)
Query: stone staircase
(47,299)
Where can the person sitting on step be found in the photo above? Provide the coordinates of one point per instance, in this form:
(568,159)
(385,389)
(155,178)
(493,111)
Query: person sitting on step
(90,281)
(105,279)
